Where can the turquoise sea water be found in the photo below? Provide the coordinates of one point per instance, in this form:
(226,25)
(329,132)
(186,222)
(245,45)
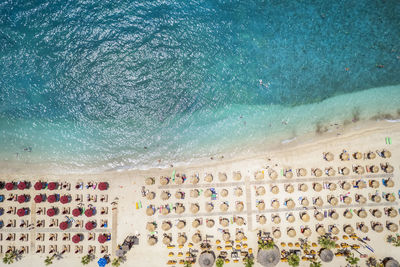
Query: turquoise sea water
(122,84)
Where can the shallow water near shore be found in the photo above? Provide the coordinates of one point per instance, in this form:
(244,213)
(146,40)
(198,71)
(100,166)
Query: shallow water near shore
(95,85)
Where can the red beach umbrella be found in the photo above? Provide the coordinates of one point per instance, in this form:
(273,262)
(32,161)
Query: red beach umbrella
(76,239)
(64,199)
(21,212)
(102,238)
(51,186)
(9,186)
(38,186)
(51,198)
(103,186)
(38,198)
(21,185)
(51,212)
(63,225)
(21,198)
(89,212)
(76,212)
(89,226)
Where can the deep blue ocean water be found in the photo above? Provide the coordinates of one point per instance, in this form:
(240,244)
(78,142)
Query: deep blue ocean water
(126,83)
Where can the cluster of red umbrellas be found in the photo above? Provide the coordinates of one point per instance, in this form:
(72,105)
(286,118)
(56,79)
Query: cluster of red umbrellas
(11,186)
(103,186)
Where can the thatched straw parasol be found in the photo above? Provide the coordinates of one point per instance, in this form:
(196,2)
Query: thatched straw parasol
(392,212)
(237,176)
(179,179)
(239,206)
(181,224)
(392,227)
(377,227)
(290,218)
(164,195)
(273,174)
(238,191)
(307,232)
(224,222)
(194,193)
(196,238)
(332,186)
(326,255)
(149,211)
(386,153)
(390,197)
(291,232)
(210,223)
(357,155)
(328,156)
(149,180)
(376,213)
(364,228)
(305,202)
(347,200)
(301,172)
(319,202)
(164,180)
(318,172)
(317,187)
(361,184)
(361,199)
(303,187)
(374,169)
(330,171)
(259,175)
(344,156)
(239,236)
(167,240)
(288,173)
(275,204)
(181,240)
(275,189)
(194,179)
(345,171)
(388,168)
(164,211)
(180,209)
(289,188)
(335,230)
(262,219)
(290,204)
(362,213)
(371,155)
(333,201)
(150,195)
(346,186)
(261,190)
(319,216)
(208,193)
(194,208)
(374,184)
(321,230)
(208,178)
(209,207)
(348,229)
(389,182)
(179,195)
(222,177)
(223,207)
(376,198)
(226,236)
(359,169)
(239,221)
(150,226)
(277,233)
(305,217)
(196,223)
(276,219)
(334,215)
(261,205)
(152,241)
(268,257)
(224,193)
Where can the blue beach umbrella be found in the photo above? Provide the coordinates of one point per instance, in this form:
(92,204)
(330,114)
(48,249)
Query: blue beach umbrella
(102,262)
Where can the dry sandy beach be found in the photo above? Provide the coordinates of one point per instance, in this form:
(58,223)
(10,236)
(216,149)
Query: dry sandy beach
(227,203)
